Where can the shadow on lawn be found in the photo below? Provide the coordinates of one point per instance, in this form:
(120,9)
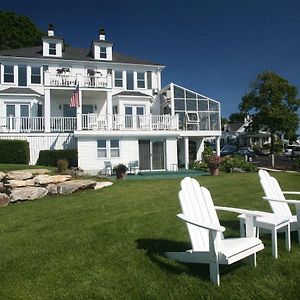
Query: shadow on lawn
(155,249)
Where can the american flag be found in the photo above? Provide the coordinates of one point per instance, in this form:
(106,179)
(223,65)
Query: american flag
(75,98)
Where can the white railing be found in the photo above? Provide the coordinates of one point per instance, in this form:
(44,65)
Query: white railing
(22,124)
(63,124)
(94,81)
(63,80)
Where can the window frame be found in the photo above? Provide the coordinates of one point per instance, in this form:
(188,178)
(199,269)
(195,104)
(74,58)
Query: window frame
(35,75)
(114,149)
(102,148)
(9,74)
(108,149)
(139,80)
(103,52)
(118,79)
(52,49)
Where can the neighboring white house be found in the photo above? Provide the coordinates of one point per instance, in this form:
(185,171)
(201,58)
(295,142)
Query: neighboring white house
(123,115)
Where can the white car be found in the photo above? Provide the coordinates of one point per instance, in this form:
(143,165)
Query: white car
(289,150)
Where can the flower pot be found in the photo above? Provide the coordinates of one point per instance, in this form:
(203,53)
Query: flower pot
(214,171)
(120,175)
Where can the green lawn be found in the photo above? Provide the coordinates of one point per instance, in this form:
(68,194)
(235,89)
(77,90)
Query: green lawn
(109,244)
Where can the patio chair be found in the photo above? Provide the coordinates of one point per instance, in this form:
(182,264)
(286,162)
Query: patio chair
(133,167)
(108,168)
(278,202)
(206,234)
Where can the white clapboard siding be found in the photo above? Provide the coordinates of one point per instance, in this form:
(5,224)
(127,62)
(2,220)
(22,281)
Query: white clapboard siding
(38,141)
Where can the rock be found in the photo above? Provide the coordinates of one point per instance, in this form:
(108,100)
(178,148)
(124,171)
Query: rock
(2,175)
(4,200)
(101,185)
(19,175)
(52,189)
(42,179)
(2,187)
(37,171)
(28,193)
(20,183)
(69,187)
(60,178)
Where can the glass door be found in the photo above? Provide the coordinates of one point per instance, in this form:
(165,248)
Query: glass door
(10,114)
(158,155)
(144,154)
(24,117)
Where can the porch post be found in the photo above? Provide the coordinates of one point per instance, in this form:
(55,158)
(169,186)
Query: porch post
(186,152)
(79,112)
(109,109)
(218,145)
(47,110)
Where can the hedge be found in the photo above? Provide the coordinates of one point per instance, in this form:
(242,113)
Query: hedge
(50,157)
(14,152)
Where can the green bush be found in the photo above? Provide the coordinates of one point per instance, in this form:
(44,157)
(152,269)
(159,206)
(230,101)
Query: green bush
(231,162)
(200,166)
(14,152)
(62,165)
(50,157)
(296,164)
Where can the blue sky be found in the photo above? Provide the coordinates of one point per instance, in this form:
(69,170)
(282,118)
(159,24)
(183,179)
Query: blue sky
(214,47)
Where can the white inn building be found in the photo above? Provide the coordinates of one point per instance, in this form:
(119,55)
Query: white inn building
(123,115)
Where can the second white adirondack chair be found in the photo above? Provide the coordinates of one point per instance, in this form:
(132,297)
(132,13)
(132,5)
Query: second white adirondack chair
(278,202)
(206,234)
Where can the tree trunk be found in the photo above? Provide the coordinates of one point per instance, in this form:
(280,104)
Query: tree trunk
(272,148)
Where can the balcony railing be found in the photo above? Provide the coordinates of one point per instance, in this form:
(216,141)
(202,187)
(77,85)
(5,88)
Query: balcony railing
(89,122)
(67,80)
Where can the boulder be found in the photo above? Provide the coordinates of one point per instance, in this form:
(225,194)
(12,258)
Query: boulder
(2,187)
(42,179)
(52,189)
(4,200)
(101,185)
(60,178)
(2,175)
(19,175)
(37,171)
(69,187)
(28,193)
(19,183)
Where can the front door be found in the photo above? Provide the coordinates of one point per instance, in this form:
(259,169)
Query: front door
(144,154)
(151,155)
(158,155)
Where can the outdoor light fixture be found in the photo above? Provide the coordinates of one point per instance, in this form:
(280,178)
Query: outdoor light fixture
(59,106)
(95,106)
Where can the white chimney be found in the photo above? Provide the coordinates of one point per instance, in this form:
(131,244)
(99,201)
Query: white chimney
(101,34)
(50,30)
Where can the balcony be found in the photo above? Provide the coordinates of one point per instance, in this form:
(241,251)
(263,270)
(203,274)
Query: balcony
(67,80)
(89,122)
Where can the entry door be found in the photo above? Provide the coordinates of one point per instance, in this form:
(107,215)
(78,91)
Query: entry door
(10,112)
(158,155)
(24,114)
(132,114)
(144,155)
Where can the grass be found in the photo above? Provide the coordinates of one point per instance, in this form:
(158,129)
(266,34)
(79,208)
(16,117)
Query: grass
(9,167)
(109,244)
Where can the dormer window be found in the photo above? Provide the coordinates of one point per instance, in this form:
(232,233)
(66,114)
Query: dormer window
(52,49)
(103,53)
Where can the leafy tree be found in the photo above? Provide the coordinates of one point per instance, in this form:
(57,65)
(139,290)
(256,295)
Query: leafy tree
(224,121)
(237,117)
(17,31)
(272,101)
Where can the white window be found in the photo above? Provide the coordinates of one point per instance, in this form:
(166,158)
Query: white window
(52,49)
(141,80)
(36,75)
(8,74)
(118,79)
(101,148)
(108,148)
(103,53)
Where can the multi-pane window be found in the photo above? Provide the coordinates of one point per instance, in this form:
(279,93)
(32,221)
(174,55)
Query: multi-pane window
(140,79)
(101,148)
(149,80)
(103,53)
(8,73)
(118,79)
(36,75)
(108,148)
(114,148)
(52,48)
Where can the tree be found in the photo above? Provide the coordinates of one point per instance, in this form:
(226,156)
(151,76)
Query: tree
(17,31)
(237,117)
(272,101)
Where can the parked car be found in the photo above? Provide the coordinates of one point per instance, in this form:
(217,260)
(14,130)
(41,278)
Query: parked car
(262,152)
(228,150)
(296,152)
(246,152)
(289,150)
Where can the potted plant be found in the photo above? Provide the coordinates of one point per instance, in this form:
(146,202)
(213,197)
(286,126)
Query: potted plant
(120,171)
(213,161)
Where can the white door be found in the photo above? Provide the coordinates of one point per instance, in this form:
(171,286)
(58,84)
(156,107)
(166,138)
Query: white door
(132,114)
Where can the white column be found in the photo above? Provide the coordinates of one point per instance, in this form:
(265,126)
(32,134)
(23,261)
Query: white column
(79,112)
(218,145)
(200,148)
(186,152)
(47,110)
(109,109)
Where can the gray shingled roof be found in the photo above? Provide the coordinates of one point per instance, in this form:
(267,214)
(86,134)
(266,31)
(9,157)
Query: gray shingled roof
(131,93)
(70,53)
(18,90)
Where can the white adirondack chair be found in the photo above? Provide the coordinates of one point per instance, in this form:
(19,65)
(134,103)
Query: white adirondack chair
(206,234)
(278,202)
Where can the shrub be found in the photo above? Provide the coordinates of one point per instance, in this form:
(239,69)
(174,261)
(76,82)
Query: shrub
(296,164)
(62,165)
(231,162)
(201,166)
(14,152)
(50,157)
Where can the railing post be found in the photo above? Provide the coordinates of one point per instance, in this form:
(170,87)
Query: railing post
(79,112)
(10,122)
(47,110)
